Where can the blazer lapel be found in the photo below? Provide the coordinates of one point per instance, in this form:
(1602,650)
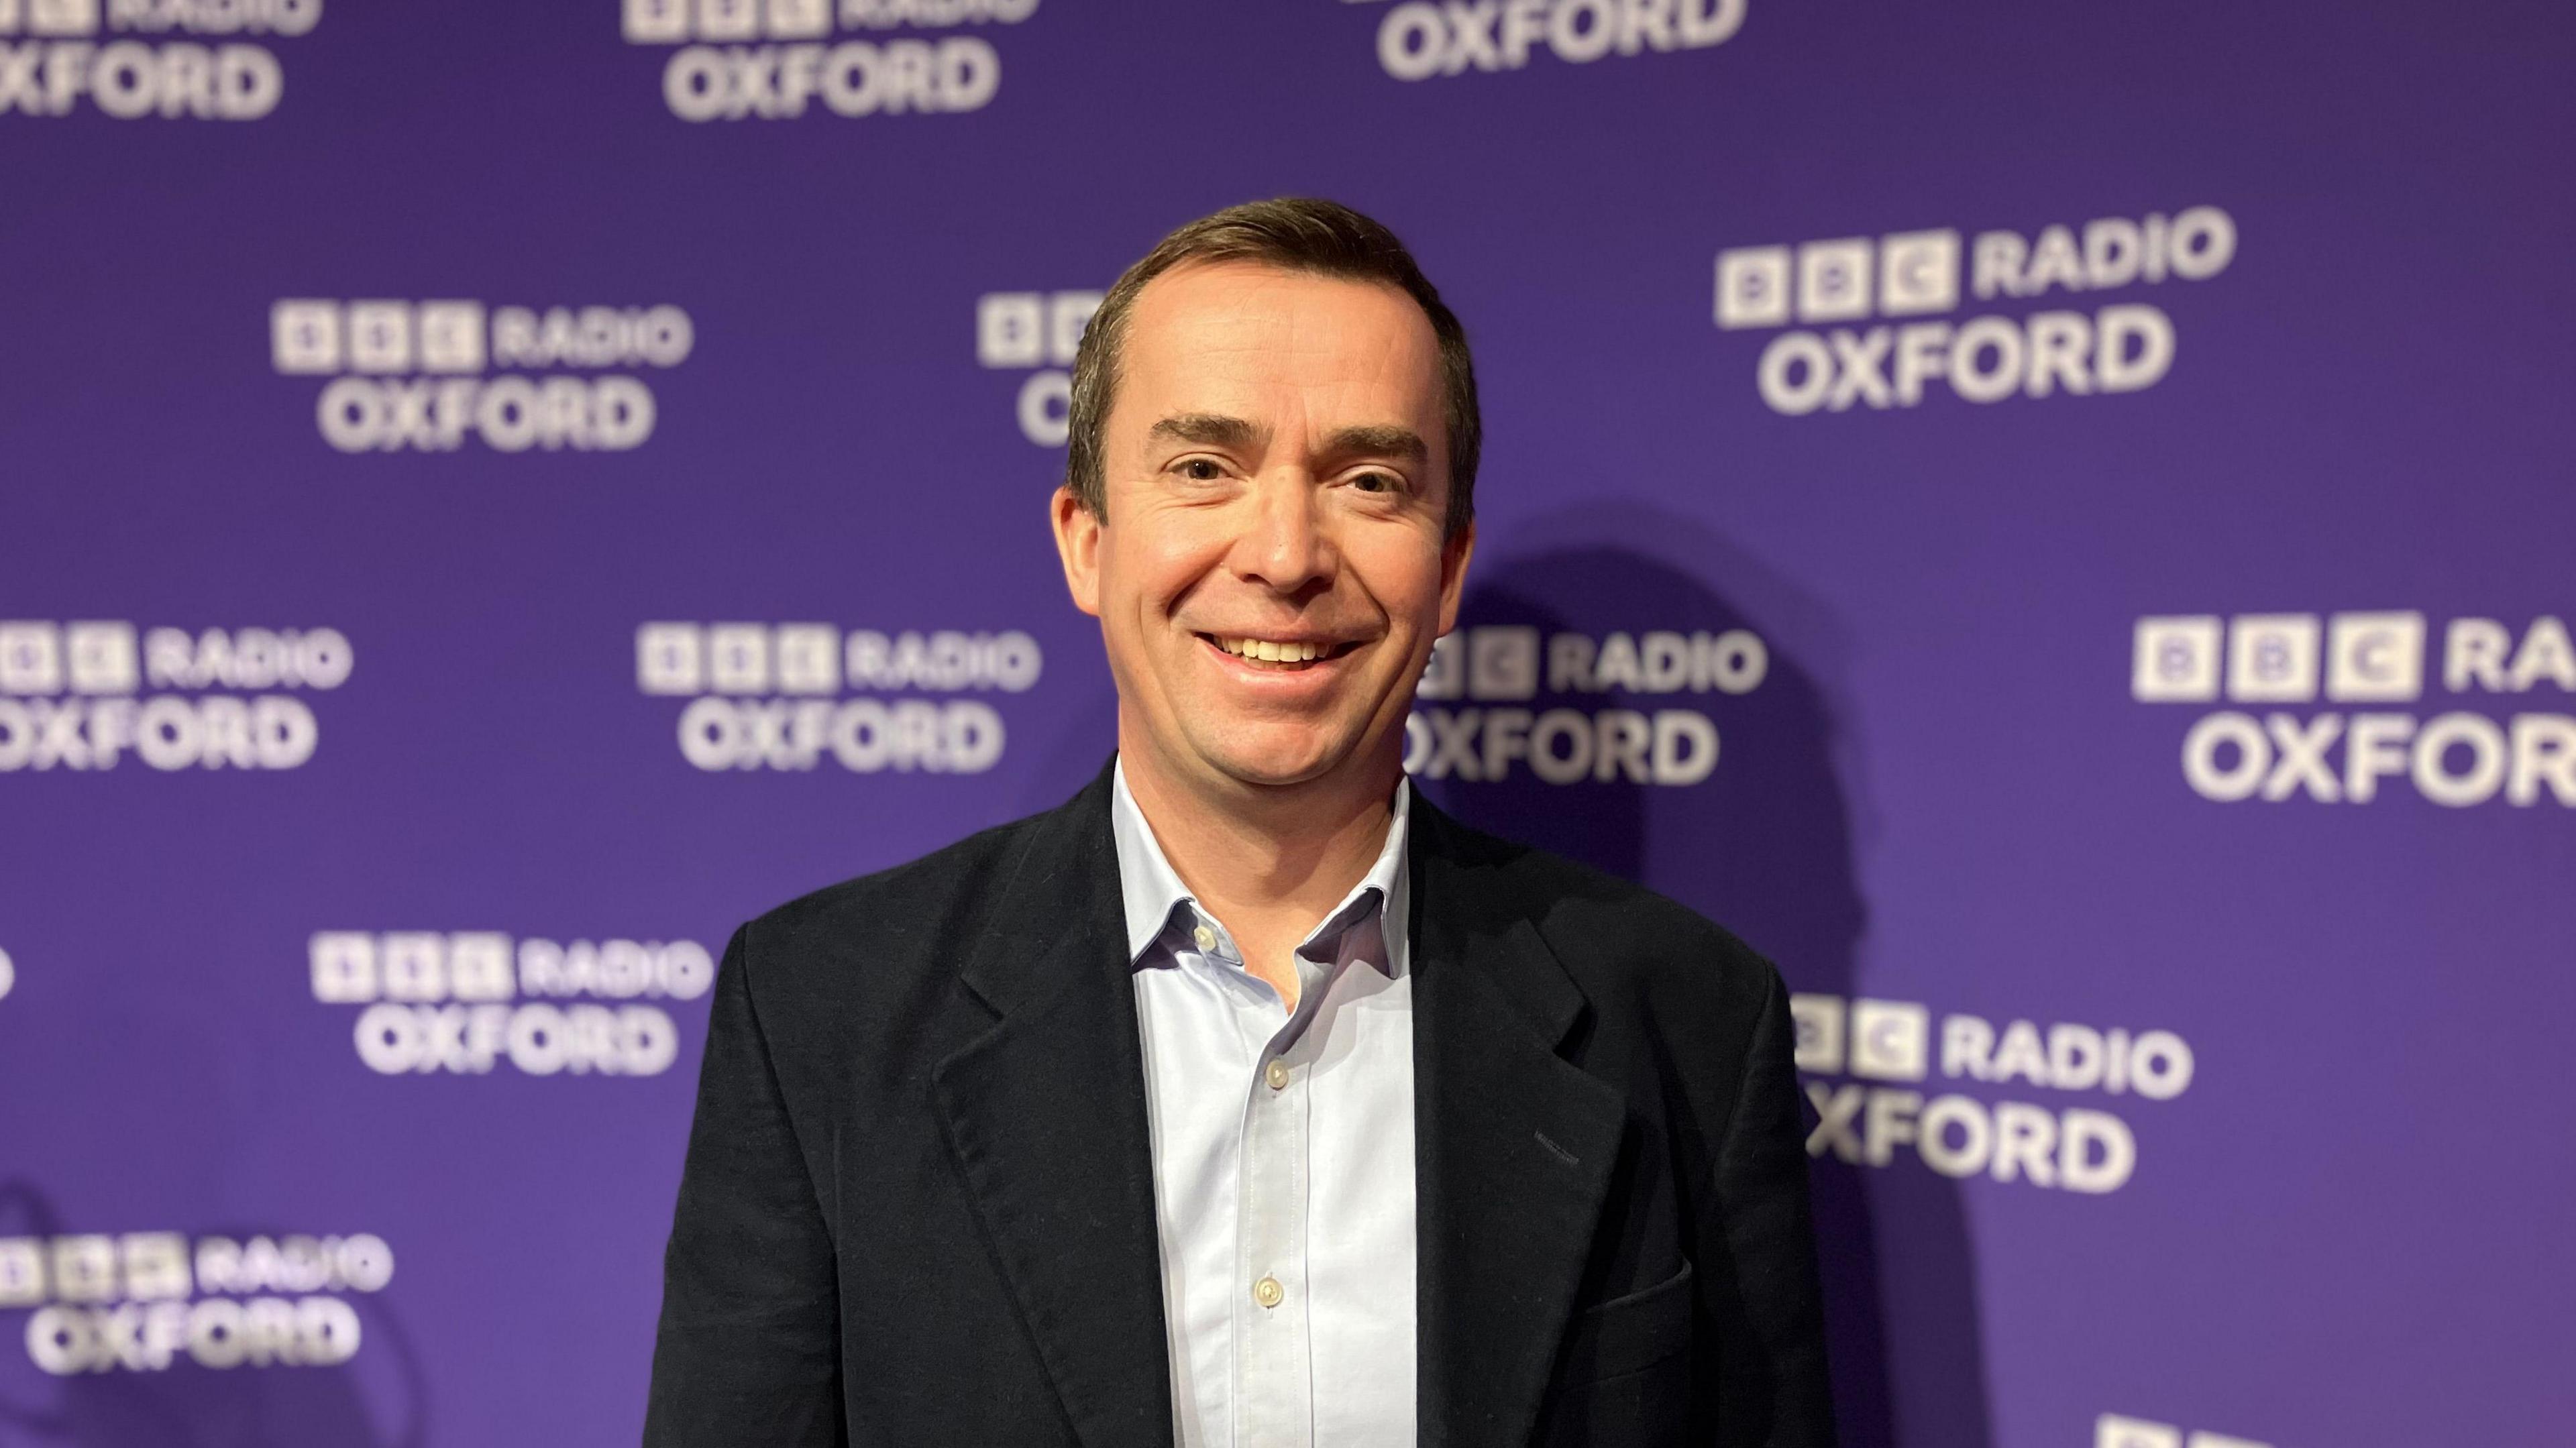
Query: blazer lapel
(1045,1115)
(1514,1148)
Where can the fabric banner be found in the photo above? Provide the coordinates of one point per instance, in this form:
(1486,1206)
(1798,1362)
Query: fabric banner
(2050,521)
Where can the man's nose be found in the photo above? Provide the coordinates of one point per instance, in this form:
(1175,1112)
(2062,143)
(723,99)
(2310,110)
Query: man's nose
(1284,543)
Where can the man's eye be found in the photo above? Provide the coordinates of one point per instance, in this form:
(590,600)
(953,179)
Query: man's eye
(1378,483)
(1201,470)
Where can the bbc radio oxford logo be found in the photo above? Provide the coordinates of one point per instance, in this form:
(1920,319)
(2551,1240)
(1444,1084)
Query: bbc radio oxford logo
(2113,1430)
(140,1301)
(1036,333)
(2119,348)
(463,1002)
(412,375)
(1887,1047)
(1499,699)
(117,59)
(769,696)
(2393,666)
(781,59)
(1419,40)
(86,694)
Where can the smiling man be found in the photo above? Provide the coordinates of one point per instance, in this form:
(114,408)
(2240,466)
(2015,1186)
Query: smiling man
(1247,1098)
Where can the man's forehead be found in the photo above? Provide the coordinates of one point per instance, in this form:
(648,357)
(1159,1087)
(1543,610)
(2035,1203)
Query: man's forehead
(1251,322)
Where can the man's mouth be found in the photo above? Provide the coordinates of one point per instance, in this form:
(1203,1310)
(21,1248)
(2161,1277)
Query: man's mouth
(1282,654)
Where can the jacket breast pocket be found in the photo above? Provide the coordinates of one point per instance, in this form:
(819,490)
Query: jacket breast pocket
(1630,1333)
(1626,1378)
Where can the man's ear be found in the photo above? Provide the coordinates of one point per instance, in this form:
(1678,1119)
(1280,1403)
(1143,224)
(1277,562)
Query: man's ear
(1077,546)
(1455,550)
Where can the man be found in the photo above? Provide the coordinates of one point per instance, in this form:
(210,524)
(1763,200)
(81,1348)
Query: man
(1246,1098)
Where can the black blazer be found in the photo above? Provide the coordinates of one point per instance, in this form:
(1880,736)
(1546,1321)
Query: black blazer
(918,1206)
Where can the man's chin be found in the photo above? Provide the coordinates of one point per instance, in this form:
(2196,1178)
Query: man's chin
(1271,772)
(1278,759)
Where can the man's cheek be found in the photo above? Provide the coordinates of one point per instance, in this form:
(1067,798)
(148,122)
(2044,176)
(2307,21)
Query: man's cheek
(1167,578)
(1407,585)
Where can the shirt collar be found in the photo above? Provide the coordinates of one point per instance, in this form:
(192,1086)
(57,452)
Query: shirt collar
(1151,889)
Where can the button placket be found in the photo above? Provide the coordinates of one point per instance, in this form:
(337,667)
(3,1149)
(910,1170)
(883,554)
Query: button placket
(1274,1380)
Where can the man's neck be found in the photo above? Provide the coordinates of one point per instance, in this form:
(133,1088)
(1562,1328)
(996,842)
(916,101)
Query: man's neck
(1268,861)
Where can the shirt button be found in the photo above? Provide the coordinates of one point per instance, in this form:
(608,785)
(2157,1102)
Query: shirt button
(1277,1075)
(1268,1292)
(1205,937)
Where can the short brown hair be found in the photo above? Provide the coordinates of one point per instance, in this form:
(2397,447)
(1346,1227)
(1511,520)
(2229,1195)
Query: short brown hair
(1295,233)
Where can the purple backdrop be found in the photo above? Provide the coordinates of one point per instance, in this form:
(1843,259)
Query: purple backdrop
(2051,521)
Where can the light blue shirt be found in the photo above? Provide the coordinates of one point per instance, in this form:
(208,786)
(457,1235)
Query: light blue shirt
(1283,1157)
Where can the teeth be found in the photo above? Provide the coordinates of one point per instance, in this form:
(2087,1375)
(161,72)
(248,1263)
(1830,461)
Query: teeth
(1269,652)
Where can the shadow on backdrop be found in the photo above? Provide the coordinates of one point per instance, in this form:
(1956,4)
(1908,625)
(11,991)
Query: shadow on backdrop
(1764,845)
(186,1405)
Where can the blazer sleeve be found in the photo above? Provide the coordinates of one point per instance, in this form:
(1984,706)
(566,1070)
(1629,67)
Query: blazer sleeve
(1772,1387)
(749,1345)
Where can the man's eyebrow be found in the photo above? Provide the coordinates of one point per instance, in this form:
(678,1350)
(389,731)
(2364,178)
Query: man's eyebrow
(1206,429)
(1383,440)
